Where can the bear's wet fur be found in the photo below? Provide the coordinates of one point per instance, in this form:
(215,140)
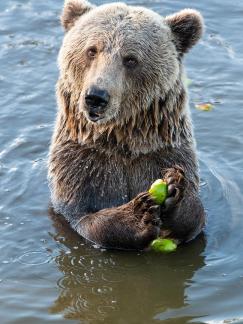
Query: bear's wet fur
(123,122)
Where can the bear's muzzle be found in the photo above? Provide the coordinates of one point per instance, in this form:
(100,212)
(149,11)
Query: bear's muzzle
(96,100)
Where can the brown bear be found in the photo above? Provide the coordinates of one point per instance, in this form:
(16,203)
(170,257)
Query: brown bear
(123,122)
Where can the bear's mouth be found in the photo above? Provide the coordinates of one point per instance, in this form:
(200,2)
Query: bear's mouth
(94,117)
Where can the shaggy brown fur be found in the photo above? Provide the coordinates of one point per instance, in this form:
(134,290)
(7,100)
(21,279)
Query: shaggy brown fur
(100,170)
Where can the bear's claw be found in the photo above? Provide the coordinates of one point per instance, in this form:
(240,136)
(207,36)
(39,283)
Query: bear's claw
(143,202)
(176,184)
(146,210)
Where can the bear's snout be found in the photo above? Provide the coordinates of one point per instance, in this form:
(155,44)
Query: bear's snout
(96,100)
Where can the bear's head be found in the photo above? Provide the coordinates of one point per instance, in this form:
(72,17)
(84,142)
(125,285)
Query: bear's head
(121,66)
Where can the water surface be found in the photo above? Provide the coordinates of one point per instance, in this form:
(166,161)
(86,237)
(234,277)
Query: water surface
(46,273)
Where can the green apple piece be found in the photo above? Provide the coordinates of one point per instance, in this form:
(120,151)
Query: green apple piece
(163,245)
(159,191)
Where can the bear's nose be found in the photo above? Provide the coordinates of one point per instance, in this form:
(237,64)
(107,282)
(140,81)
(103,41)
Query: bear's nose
(96,99)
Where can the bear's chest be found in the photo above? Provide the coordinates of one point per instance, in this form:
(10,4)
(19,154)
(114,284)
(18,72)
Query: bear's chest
(112,181)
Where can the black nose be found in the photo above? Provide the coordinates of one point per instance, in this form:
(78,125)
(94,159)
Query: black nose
(96,99)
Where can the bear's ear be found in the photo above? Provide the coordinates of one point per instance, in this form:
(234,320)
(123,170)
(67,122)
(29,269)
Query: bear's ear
(187,27)
(72,11)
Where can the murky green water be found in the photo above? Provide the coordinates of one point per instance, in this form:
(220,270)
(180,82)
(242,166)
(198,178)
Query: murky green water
(46,273)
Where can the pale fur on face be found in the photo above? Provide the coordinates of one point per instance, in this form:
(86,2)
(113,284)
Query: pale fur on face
(118,31)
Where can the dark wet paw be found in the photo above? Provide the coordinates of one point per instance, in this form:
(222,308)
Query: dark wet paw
(176,184)
(146,209)
(147,215)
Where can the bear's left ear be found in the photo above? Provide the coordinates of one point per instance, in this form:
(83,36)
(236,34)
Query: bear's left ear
(72,11)
(187,27)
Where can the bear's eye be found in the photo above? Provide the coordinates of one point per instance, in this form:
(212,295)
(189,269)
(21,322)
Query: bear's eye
(130,61)
(92,52)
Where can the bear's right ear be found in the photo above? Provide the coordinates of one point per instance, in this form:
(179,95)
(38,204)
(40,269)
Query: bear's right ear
(72,11)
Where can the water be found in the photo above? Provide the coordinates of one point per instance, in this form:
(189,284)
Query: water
(47,274)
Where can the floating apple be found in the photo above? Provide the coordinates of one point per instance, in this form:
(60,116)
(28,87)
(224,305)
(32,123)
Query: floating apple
(163,245)
(204,106)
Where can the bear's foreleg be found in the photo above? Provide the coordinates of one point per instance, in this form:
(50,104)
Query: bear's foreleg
(182,215)
(130,226)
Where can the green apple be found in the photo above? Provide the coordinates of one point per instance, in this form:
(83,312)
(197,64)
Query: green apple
(163,245)
(159,191)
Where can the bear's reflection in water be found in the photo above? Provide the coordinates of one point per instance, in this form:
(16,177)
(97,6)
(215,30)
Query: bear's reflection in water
(120,286)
